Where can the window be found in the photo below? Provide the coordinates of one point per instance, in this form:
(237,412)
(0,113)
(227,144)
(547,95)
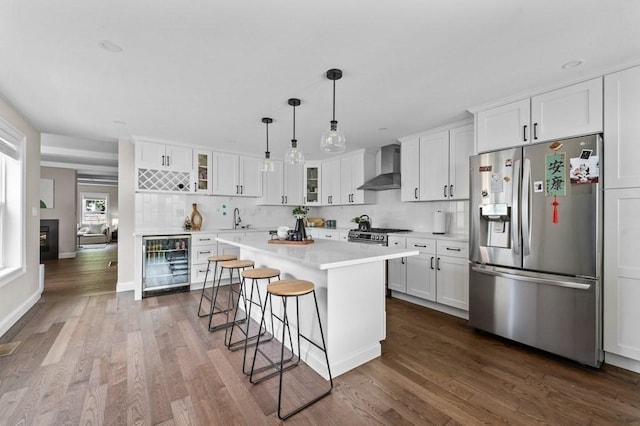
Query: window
(12,189)
(95,209)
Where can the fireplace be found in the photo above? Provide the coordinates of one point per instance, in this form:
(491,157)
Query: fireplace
(48,239)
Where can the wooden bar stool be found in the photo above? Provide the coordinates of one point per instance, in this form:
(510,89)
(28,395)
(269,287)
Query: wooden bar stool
(214,289)
(286,289)
(237,265)
(254,275)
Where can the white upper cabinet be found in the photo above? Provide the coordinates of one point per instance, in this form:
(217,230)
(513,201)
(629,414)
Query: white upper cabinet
(283,186)
(331,182)
(435,166)
(234,174)
(202,171)
(410,170)
(355,169)
(570,111)
(504,126)
(312,183)
(152,155)
(622,129)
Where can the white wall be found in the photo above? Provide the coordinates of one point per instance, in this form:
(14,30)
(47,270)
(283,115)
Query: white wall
(126,214)
(390,212)
(18,296)
(64,207)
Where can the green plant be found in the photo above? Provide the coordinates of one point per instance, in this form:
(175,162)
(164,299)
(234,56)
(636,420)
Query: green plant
(356,219)
(300,210)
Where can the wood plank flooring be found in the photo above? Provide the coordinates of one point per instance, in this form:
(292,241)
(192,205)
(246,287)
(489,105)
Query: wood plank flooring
(91,356)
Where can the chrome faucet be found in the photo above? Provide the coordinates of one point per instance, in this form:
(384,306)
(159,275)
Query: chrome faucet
(236,218)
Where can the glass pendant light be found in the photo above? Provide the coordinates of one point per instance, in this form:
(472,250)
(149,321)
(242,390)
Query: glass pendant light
(333,140)
(294,155)
(267,163)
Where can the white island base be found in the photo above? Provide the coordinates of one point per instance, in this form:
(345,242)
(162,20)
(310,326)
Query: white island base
(350,286)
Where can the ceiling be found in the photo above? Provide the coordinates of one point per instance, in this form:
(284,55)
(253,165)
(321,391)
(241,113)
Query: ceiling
(204,72)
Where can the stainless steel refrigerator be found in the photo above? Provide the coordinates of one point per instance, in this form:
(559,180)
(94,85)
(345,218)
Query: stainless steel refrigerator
(536,246)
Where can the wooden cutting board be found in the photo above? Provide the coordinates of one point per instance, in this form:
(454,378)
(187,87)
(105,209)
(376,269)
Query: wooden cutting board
(295,243)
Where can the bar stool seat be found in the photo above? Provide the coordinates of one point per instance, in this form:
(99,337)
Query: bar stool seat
(215,259)
(237,265)
(287,289)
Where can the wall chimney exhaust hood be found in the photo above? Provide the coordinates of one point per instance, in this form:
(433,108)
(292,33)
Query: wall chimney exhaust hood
(389,177)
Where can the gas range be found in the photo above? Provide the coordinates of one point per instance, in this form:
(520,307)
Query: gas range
(377,236)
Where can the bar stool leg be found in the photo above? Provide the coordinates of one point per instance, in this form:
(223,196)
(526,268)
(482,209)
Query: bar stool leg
(229,304)
(206,274)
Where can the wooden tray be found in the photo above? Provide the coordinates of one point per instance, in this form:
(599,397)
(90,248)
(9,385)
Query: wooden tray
(295,243)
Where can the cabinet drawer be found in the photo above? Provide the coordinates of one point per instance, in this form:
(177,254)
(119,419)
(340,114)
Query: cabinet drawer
(201,253)
(198,273)
(423,245)
(397,242)
(453,248)
(203,239)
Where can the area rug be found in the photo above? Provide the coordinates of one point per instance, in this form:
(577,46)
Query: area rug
(94,246)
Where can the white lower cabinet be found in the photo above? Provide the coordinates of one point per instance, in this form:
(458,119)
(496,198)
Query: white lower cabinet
(621,329)
(202,246)
(421,272)
(439,273)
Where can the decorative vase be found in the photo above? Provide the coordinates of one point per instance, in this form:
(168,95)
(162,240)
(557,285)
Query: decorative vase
(196,218)
(299,229)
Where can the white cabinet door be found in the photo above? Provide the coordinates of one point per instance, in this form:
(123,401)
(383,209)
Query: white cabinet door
(571,111)
(150,155)
(272,185)
(224,173)
(621,330)
(421,277)
(292,184)
(504,126)
(452,278)
(397,268)
(312,183)
(331,182)
(460,148)
(202,171)
(434,166)
(250,176)
(622,129)
(355,169)
(179,158)
(410,170)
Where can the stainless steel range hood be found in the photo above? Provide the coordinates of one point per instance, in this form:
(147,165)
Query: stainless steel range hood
(389,177)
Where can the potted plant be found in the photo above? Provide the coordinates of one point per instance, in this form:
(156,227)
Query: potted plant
(299,212)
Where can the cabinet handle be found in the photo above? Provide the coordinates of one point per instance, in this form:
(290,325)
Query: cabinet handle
(204,252)
(420,245)
(402,260)
(163,160)
(453,249)
(535,131)
(286,199)
(241,189)
(431,262)
(445,191)
(282,199)
(438,264)
(237,189)
(524,133)
(204,239)
(304,200)
(415,193)
(168,161)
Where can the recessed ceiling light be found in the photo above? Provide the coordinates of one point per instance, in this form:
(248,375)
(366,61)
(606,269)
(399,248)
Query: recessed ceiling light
(383,128)
(109,46)
(572,64)
(120,122)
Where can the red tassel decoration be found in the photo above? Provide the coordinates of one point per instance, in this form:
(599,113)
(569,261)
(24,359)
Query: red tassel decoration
(556,216)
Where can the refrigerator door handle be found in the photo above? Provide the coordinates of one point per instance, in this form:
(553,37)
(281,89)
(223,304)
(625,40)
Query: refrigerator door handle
(527,278)
(515,208)
(526,203)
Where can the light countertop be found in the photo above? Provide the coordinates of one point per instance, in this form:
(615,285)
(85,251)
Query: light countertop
(451,237)
(322,254)
(180,231)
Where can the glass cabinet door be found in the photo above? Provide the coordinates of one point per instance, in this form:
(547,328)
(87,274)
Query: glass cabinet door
(165,263)
(202,160)
(312,183)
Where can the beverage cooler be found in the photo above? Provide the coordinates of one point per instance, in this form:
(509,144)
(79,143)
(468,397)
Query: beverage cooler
(165,264)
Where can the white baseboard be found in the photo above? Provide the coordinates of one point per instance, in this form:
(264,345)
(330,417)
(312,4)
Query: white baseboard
(13,317)
(431,305)
(128,286)
(622,362)
(68,255)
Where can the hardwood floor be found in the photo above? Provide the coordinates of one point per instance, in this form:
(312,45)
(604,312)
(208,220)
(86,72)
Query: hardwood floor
(89,355)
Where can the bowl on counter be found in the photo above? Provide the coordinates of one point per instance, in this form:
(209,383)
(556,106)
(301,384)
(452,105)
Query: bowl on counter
(283,232)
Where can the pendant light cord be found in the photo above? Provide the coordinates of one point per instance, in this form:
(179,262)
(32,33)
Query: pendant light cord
(334,100)
(267,126)
(294,122)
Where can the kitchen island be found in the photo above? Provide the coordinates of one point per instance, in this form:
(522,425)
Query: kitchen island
(350,286)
